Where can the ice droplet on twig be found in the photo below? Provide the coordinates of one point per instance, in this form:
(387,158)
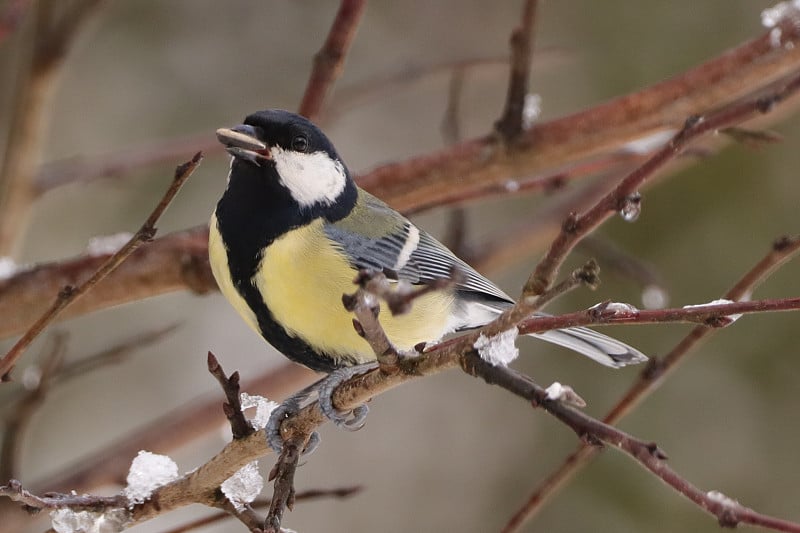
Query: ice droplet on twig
(631,207)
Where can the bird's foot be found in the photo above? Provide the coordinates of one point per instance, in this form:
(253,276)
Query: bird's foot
(354,419)
(290,407)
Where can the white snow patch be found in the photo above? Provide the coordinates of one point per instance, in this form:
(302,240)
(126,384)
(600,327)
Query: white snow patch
(31,377)
(648,143)
(263,407)
(8,267)
(717,496)
(616,308)
(244,486)
(564,393)
(654,297)
(69,521)
(107,244)
(500,349)
(531,109)
(772,16)
(148,472)
(721,301)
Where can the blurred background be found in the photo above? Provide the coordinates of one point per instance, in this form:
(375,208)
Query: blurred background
(446,452)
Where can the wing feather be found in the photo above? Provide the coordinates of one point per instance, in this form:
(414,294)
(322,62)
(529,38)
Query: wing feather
(377,237)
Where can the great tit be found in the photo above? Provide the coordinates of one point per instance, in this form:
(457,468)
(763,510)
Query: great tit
(292,230)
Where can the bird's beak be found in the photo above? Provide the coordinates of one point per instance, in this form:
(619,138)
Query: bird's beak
(242,143)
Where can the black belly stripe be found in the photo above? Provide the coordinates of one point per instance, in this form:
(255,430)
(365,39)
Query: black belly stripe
(252,213)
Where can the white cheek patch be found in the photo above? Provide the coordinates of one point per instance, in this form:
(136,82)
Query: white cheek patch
(311,178)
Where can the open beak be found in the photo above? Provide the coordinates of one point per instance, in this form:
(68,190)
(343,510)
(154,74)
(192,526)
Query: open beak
(242,143)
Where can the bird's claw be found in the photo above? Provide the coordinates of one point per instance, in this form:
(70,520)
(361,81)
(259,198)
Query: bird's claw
(289,407)
(354,419)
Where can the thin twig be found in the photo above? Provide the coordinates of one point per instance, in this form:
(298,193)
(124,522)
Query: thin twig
(714,315)
(123,161)
(20,413)
(16,492)
(329,61)
(657,369)
(283,496)
(113,355)
(68,294)
(576,227)
(728,512)
(240,427)
(510,125)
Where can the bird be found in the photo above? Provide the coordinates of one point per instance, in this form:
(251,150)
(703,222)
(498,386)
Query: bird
(291,232)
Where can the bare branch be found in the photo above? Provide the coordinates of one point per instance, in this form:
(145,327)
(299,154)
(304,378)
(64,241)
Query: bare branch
(510,125)
(34,92)
(240,427)
(329,61)
(178,261)
(19,415)
(657,369)
(306,495)
(576,227)
(68,294)
(737,73)
(728,512)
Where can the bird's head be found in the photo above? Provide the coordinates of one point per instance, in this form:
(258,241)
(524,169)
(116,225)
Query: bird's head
(289,149)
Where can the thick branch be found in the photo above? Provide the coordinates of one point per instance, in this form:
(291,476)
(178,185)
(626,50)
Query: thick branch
(735,74)
(34,92)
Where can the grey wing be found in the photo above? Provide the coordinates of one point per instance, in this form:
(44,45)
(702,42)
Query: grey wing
(388,242)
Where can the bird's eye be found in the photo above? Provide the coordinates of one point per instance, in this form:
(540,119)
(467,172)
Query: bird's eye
(300,143)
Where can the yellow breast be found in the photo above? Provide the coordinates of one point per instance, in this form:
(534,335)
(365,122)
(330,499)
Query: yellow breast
(302,278)
(218,258)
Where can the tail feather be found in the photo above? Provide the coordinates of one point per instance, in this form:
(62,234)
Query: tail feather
(601,348)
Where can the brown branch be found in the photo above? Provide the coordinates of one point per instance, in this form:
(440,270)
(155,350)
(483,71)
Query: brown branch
(510,125)
(329,61)
(109,465)
(123,161)
(240,427)
(782,251)
(34,92)
(306,495)
(16,492)
(20,413)
(114,354)
(68,294)
(576,227)
(740,71)
(176,262)
(607,127)
(712,315)
(728,512)
(283,475)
